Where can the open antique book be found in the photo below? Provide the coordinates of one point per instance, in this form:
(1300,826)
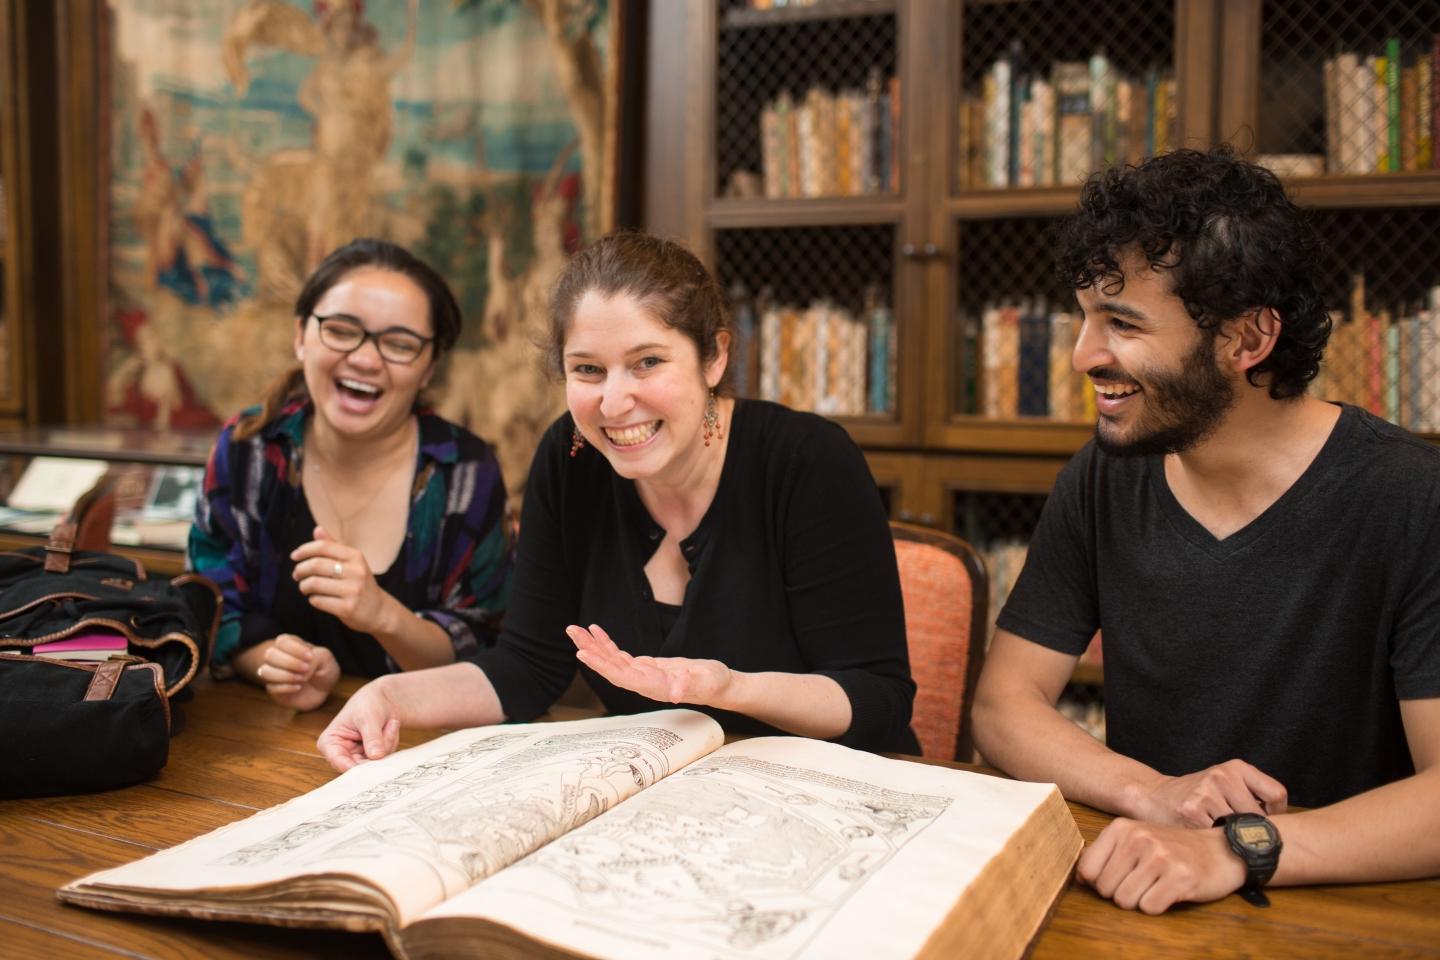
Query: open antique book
(632,837)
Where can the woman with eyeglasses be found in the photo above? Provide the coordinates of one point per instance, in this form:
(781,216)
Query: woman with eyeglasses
(349,530)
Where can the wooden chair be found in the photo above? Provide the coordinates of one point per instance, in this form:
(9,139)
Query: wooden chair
(946,599)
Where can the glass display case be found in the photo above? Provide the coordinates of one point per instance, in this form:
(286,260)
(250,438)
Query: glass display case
(155,479)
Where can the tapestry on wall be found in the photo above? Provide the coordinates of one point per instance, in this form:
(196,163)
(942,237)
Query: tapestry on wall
(250,137)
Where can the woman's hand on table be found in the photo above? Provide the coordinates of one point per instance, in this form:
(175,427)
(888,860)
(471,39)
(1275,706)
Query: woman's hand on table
(366,728)
(297,674)
(665,679)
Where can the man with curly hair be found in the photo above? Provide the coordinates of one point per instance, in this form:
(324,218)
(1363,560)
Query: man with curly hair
(1264,566)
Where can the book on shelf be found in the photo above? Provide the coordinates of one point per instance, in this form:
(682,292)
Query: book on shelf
(1386,360)
(636,837)
(831,143)
(1025,364)
(1026,128)
(825,358)
(1381,109)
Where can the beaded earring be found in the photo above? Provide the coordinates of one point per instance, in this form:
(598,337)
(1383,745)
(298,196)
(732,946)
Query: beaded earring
(577,441)
(712,420)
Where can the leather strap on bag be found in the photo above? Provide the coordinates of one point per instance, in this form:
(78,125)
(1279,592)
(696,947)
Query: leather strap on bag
(58,550)
(107,676)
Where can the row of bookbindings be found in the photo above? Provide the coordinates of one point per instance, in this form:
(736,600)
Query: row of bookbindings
(839,362)
(832,144)
(1387,361)
(1024,365)
(1036,129)
(822,357)
(1382,110)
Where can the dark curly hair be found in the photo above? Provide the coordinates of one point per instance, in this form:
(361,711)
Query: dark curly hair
(1230,238)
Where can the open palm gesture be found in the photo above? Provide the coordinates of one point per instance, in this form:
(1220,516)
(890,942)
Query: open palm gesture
(665,679)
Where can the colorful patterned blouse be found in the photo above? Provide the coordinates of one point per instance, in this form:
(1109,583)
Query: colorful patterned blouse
(456,557)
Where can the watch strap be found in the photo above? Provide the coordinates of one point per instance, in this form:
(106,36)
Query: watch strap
(1259,867)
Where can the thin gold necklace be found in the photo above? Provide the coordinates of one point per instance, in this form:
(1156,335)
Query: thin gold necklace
(386,477)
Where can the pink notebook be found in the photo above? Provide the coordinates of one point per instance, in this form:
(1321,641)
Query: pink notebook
(83,646)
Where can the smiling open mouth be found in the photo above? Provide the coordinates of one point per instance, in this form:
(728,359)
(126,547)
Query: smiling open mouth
(358,390)
(632,436)
(1116,391)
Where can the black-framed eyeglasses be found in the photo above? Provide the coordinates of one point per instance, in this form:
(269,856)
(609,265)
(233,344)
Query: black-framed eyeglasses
(345,334)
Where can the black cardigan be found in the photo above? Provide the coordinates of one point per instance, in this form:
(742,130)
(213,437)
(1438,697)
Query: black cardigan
(792,569)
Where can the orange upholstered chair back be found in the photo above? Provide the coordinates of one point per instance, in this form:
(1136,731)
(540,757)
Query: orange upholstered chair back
(944,583)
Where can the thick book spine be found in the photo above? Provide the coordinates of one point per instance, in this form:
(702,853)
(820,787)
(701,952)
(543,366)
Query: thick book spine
(1424,141)
(1101,108)
(1375,366)
(1415,332)
(1391,331)
(1329,74)
(1409,136)
(770,150)
(1364,107)
(1000,124)
(1044,96)
(1010,359)
(1024,161)
(1072,105)
(1019,89)
(1430,363)
(874,135)
(1152,95)
(1064,399)
(991,361)
(1392,100)
(770,334)
(880,323)
(1380,92)
(1348,112)
(1435,103)
(895,112)
(785,144)
(1033,377)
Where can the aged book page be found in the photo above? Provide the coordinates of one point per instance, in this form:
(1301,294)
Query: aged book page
(389,839)
(779,848)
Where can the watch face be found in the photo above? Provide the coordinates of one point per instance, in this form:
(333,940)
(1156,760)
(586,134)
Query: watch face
(1256,836)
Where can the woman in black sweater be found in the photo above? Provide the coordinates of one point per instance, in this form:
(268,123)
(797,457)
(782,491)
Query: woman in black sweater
(736,551)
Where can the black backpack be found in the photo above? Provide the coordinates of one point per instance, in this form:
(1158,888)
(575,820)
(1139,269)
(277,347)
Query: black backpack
(76,726)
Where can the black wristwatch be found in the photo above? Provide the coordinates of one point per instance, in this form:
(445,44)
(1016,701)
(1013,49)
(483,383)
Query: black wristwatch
(1256,841)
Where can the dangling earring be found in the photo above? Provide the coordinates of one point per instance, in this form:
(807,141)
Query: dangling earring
(712,420)
(577,441)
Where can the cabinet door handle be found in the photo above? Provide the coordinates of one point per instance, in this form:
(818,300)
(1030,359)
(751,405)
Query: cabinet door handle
(927,251)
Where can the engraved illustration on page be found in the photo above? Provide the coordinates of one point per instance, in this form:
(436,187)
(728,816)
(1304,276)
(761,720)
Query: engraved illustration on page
(735,857)
(462,825)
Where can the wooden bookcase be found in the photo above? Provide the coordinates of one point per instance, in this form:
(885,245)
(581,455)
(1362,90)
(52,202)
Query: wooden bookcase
(1241,69)
(703,106)
(947,246)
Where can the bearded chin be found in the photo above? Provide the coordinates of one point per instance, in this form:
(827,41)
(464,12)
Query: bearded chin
(1181,409)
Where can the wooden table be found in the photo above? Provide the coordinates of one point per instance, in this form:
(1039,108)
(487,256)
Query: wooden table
(239,752)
